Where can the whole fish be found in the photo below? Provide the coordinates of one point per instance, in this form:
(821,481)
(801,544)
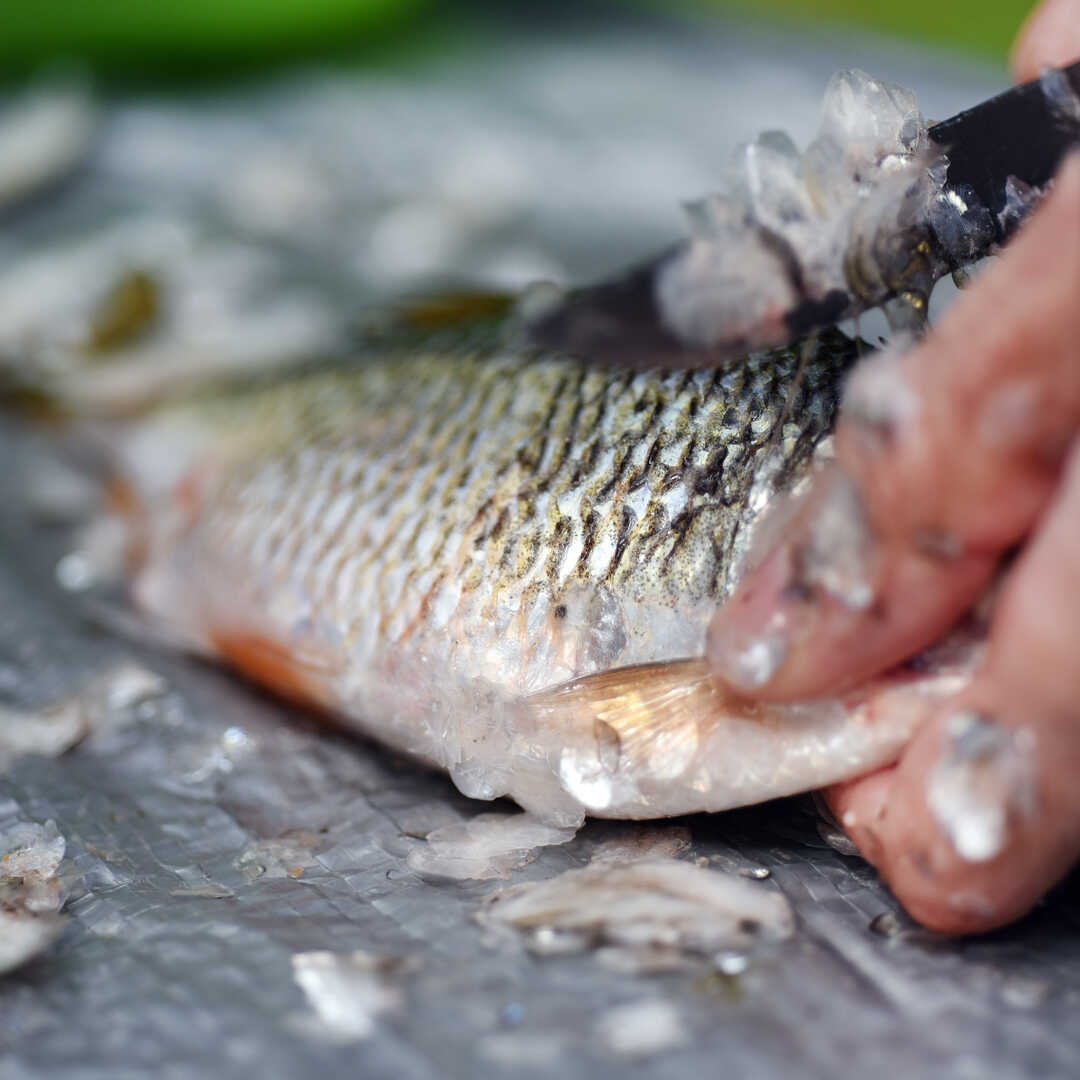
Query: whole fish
(492,548)
(501,560)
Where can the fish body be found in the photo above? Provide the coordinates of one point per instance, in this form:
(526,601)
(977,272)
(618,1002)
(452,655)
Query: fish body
(502,561)
(517,518)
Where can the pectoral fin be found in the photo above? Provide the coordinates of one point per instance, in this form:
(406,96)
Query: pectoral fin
(644,717)
(286,671)
(665,739)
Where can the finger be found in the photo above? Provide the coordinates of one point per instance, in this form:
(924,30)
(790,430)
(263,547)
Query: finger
(982,815)
(1049,38)
(945,457)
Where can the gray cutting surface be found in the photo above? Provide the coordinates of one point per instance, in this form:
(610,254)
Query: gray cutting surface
(184,915)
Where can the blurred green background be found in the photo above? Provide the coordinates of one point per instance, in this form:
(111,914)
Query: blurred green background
(986,27)
(140,38)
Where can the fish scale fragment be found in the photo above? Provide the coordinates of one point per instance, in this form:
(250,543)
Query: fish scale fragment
(31,893)
(642,908)
(487,846)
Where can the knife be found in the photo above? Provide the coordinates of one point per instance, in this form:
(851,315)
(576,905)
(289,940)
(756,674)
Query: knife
(1000,156)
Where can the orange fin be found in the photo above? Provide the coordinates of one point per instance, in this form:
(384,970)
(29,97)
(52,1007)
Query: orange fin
(453,309)
(279,668)
(649,715)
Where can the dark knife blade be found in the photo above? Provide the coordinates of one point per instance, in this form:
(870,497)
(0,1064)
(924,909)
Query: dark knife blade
(1023,132)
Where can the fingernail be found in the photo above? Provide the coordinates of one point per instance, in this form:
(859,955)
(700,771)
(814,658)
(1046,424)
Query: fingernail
(836,556)
(878,399)
(984,780)
(748,659)
(831,555)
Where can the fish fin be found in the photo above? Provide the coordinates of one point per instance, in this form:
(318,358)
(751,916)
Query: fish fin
(449,310)
(648,716)
(301,679)
(669,735)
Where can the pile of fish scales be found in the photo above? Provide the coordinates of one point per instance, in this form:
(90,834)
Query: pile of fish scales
(842,219)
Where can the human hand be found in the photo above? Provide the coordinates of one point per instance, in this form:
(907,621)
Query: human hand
(948,457)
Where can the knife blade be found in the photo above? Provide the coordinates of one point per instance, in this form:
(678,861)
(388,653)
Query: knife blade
(1023,132)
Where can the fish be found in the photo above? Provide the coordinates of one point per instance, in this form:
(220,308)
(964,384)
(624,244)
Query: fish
(494,549)
(498,559)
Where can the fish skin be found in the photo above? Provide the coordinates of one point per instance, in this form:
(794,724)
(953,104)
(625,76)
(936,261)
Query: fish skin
(503,561)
